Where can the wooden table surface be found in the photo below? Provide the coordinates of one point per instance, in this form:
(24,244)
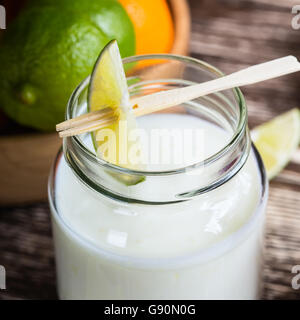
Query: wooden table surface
(230,35)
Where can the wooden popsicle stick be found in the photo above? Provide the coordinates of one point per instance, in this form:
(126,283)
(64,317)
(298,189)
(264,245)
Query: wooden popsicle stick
(161,100)
(88,127)
(91,116)
(261,72)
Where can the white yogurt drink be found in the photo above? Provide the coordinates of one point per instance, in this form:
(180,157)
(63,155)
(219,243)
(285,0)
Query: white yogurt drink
(176,235)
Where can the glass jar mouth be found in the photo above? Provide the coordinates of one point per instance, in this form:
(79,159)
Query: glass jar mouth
(234,140)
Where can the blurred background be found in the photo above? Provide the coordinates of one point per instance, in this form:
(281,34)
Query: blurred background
(229,34)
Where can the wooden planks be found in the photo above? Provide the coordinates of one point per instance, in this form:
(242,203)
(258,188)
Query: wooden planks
(233,37)
(26,251)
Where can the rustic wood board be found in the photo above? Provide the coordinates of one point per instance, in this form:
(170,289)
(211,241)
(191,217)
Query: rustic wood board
(230,35)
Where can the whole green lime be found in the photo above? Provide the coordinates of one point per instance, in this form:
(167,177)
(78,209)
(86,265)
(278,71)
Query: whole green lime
(49,49)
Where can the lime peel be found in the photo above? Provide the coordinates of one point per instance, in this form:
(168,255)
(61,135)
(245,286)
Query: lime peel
(277,140)
(108,88)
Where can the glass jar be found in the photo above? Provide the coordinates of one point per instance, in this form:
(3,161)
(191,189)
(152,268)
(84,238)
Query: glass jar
(193,232)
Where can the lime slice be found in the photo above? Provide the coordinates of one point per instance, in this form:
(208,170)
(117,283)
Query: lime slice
(108,88)
(277,140)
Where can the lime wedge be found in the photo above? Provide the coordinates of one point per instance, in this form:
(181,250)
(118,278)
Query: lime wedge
(277,140)
(108,88)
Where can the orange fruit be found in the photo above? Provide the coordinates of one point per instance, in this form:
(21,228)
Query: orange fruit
(152,23)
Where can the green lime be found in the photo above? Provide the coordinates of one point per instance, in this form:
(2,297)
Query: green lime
(49,49)
(108,88)
(277,140)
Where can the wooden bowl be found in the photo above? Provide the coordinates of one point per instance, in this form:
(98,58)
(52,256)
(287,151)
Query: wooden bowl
(25,159)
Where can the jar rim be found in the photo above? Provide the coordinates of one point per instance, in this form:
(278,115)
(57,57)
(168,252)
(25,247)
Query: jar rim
(239,131)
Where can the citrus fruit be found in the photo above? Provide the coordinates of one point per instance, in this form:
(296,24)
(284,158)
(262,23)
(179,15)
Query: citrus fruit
(108,15)
(153,25)
(277,140)
(49,48)
(108,88)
